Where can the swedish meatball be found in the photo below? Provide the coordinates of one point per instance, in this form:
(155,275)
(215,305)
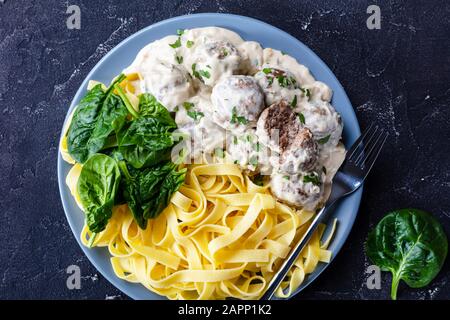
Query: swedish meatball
(237,101)
(277,126)
(213,60)
(301,155)
(299,190)
(277,84)
(170,84)
(323,121)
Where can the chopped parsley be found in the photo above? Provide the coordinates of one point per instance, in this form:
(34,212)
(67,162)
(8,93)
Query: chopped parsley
(237,119)
(179,59)
(324,139)
(219,153)
(267,70)
(253,161)
(313,178)
(286,177)
(176,44)
(257,147)
(283,53)
(270,81)
(188,105)
(306,92)
(196,115)
(286,81)
(180,32)
(189,43)
(301,117)
(282,80)
(224,52)
(235,140)
(235,161)
(204,74)
(294,102)
(199,74)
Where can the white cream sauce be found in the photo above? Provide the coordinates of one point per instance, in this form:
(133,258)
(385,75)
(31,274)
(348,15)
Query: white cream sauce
(182,71)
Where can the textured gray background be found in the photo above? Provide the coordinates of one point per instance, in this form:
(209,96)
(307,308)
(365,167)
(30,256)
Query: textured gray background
(398,77)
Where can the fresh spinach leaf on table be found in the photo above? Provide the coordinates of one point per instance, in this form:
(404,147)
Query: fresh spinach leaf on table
(98,185)
(409,243)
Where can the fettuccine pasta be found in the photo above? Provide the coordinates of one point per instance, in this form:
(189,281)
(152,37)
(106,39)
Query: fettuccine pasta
(221,236)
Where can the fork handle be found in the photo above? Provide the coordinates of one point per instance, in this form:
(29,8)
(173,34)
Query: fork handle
(290,260)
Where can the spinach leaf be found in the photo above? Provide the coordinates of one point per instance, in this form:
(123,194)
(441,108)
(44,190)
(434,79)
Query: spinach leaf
(111,118)
(147,140)
(97,186)
(94,120)
(83,123)
(172,182)
(142,188)
(150,107)
(409,243)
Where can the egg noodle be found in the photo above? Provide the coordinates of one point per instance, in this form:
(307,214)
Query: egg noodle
(221,236)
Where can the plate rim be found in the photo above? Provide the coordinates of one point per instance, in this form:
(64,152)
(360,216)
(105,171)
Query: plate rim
(119,283)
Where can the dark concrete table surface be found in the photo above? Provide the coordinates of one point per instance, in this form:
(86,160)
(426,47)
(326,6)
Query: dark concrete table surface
(397,77)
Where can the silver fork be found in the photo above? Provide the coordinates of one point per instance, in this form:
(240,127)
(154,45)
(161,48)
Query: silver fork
(357,165)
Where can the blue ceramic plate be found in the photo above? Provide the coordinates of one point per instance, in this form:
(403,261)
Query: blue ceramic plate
(249,29)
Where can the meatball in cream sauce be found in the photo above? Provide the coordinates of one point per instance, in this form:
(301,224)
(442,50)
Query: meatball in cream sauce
(237,101)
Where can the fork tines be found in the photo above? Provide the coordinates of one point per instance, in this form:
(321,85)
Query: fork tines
(366,149)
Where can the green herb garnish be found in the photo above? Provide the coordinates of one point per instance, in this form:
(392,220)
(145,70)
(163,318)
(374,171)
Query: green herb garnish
(301,117)
(306,92)
(196,115)
(204,73)
(189,43)
(199,74)
(324,139)
(253,161)
(219,153)
(313,178)
(237,119)
(176,44)
(188,105)
(294,102)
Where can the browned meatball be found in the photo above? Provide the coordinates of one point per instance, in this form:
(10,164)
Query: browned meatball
(278,126)
(280,130)
(301,155)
